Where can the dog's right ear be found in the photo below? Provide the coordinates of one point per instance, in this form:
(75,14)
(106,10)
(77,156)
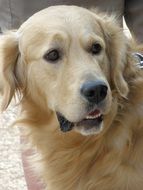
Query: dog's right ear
(8,59)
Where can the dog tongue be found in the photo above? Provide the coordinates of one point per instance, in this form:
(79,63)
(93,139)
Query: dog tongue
(94,113)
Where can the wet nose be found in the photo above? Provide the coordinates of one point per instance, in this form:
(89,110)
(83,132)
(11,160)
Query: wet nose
(94,91)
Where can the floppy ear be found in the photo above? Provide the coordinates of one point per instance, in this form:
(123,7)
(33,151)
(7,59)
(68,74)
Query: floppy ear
(8,58)
(117,50)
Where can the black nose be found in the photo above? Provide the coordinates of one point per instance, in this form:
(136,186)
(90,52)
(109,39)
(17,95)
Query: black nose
(94,91)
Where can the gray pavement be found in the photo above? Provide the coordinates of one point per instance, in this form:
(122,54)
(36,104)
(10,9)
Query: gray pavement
(11,170)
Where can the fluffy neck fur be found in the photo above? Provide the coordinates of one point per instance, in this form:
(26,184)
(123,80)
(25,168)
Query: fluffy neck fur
(110,161)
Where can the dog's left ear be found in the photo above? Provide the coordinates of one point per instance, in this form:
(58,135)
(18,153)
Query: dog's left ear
(117,50)
(8,59)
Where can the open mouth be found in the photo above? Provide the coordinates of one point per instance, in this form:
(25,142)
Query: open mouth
(93,120)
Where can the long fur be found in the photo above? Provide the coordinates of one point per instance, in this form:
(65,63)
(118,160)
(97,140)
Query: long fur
(111,160)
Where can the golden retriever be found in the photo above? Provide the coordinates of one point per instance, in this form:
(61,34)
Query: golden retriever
(81,97)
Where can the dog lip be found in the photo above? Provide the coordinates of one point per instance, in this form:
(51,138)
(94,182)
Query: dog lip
(93,119)
(65,125)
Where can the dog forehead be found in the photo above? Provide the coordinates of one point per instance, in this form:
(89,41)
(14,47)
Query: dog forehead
(71,22)
(70,17)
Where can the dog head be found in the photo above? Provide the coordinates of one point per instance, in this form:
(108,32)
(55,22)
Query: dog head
(69,60)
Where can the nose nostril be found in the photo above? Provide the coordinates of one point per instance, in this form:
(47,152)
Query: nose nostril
(103,91)
(90,93)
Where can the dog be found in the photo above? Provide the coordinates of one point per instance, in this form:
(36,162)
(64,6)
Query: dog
(81,97)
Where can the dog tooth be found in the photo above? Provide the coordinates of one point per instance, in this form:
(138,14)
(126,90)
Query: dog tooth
(89,117)
(99,115)
(93,117)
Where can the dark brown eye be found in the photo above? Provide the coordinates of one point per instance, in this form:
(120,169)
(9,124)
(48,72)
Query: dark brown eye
(96,48)
(52,56)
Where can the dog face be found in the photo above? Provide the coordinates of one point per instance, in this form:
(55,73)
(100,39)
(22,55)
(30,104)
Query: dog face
(68,60)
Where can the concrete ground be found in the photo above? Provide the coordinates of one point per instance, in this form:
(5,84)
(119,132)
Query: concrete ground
(11,170)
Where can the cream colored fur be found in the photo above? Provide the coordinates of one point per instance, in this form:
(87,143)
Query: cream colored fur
(110,160)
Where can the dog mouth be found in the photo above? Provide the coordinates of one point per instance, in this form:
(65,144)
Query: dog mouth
(92,121)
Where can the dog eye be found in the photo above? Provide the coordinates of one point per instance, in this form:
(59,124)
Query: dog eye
(96,48)
(52,56)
